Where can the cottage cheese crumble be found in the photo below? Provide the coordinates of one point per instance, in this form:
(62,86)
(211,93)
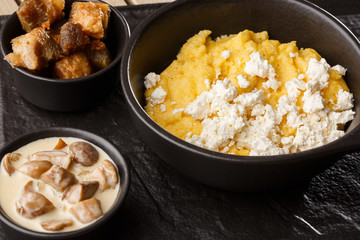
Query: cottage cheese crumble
(257,66)
(344,101)
(151,80)
(223,113)
(243,83)
(226,54)
(158,96)
(340,69)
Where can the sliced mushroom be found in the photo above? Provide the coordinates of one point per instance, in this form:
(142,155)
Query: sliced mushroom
(55,157)
(106,175)
(8,158)
(61,144)
(87,211)
(80,191)
(56,224)
(32,204)
(84,153)
(58,177)
(35,169)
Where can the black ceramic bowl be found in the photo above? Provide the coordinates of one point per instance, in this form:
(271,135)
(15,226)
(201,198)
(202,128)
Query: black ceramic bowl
(92,231)
(72,94)
(156,42)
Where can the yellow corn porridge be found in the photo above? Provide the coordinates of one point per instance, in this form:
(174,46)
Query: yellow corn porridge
(246,94)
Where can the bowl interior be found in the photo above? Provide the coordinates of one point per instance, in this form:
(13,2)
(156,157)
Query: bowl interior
(117,35)
(157,41)
(107,147)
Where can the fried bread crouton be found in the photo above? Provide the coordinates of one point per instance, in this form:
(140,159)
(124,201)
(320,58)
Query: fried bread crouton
(93,17)
(72,38)
(33,50)
(98,55)
(39,13)
(73,66)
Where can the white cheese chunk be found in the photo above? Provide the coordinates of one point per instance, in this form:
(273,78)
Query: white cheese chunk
(158,96)
(340,69)
(294,86)
(344,100)
(250,99)
(257,66)
(151,79)
(319,71)
(312,102)
(242,81)
(226,54)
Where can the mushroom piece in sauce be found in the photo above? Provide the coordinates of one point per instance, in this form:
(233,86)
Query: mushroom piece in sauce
(80,191)
(35,169)
(58,177)
(60,144)
(56,224)
(32,204)
(87,211)
(55,157)
(8,158)
(84,153)
(106,175)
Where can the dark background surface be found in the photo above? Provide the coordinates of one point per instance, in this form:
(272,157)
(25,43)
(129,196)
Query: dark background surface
(164,204)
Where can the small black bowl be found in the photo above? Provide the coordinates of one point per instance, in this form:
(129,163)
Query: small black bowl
(70,94)
(93,230)
(156,42)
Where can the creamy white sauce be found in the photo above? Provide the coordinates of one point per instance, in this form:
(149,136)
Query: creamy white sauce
(11,187)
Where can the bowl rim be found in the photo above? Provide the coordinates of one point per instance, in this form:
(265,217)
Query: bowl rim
(329,148)
(99,141)
(96,74)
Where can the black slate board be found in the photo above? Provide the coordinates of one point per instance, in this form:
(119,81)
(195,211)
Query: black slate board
(164,204)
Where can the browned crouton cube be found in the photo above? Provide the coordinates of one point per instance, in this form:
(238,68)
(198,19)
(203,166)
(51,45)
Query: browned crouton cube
(33,50)
(72,38)
(93,17)
(96,44)
(73,66)
(98,55)
(54,31)
(39,13)
(106,11)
